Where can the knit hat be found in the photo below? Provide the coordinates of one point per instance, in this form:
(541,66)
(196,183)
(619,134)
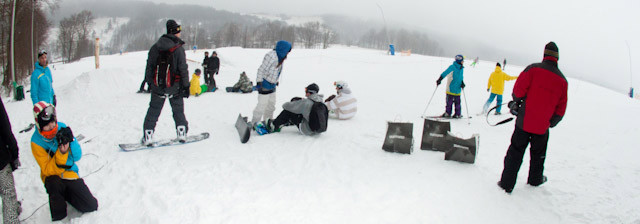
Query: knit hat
(459,58)
(42,52)
(312,88)
(198,71)
(173,27)
(498,64)
(551,49)
(44,113)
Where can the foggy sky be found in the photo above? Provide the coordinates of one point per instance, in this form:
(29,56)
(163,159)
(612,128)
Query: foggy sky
(591,34)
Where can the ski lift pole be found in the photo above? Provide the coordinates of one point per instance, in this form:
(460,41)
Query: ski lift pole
(434,93)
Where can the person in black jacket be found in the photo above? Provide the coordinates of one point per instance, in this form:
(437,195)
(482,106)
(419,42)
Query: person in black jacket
(167,75)
(8,163)
(205,63)
(213,65)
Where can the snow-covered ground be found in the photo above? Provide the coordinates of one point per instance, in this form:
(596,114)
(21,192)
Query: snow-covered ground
(343,175)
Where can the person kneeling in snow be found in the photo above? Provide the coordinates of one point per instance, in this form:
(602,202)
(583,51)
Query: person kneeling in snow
(310,115)
(243,85)
(195,88)
(56,151)
(344,106)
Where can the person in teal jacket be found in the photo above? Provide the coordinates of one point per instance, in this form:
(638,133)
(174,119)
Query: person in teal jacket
(456,84)
(41,82)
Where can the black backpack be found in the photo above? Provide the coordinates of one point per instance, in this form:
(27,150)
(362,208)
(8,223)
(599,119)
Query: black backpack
(165,73)
(318,117)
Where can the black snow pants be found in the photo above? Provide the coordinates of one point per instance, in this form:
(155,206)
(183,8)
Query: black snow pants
(286,118)
(73,191)
(155,107)
(512,161)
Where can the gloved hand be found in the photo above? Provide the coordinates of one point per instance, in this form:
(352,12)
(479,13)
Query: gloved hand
(488,90)
(216,71)
(330,98)
(514,107)
(462,85)
(15,164)
(55,102)
(439,81)
(64,136)
(259,85)
(185,92)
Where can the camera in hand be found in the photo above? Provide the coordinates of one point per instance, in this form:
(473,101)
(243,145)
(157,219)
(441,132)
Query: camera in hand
(64,136)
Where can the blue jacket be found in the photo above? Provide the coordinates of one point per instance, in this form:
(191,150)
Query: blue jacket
(41,85)
(456,80)
(43,148)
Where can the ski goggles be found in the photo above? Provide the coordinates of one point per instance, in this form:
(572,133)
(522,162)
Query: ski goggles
(42,52)
(48,114)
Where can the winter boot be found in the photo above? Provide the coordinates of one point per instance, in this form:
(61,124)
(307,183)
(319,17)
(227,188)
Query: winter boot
(271,127)
(445,115)
(498,113)
(147,139)
(261,128)
(505,189)
(182,133)
(457,116)
(544,179)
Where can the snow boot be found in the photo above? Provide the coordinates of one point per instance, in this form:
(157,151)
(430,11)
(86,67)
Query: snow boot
(498,113)
(182,133)
(445,115)
(260,128)
(544,179)
(271,127)
(147,139)
(457,116)
(505,189)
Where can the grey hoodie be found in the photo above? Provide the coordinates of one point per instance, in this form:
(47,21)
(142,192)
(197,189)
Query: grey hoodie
(304,107)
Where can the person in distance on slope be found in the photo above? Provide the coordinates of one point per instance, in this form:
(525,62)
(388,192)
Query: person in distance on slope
(454,89)
(344,106)
(496,85)
(310,115)
(9,162)
(267,80)
(168,77)
(57,152)
(475,61)
(244,85)
(539,102)
(42,81)
(213,65)
(195,88)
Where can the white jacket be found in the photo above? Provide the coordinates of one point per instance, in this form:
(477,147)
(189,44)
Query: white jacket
(344,105)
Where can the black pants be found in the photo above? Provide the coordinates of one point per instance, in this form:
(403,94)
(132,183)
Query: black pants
(286,118)
(155,107)
(73,191)
(512,161)
(208,78)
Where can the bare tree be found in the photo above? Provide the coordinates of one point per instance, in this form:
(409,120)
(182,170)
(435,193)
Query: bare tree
(328,36)
(309,34)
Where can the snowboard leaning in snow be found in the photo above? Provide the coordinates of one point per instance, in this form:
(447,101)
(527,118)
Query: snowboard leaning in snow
(244,128)
(163,142)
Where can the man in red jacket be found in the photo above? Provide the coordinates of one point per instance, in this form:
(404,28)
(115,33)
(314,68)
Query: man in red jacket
(539,102)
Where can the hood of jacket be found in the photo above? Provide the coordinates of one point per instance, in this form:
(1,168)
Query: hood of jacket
(167,41)
(282,49)
(498,69)
(316,97)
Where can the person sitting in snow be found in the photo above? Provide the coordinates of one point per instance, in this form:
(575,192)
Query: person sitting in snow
(456,84)
(57,152)
(344,106)
(195,88)
(496,85)
(243,85)
(310,115)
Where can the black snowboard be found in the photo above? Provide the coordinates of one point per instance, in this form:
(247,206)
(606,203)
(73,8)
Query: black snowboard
(244,128)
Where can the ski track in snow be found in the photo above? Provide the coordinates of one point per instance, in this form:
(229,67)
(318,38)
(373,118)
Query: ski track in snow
(342,175)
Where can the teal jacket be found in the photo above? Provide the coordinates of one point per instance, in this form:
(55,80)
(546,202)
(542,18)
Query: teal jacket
(41,85)
(44,150)
(456,80)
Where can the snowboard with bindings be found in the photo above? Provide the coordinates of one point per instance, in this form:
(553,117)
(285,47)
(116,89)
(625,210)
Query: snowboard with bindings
(163,142)
(244,128)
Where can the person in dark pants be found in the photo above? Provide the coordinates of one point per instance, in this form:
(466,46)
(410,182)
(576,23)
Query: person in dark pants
(167,56)
(455,84)
(205,64)
(213,65)
(57,152)
(539,102)
(298,112)
(9,162)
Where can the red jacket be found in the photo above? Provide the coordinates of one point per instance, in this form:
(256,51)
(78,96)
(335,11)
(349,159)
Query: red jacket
(542,89)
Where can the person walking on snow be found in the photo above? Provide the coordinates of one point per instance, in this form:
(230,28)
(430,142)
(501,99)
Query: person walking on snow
(42,81)
(454,89)
(267,81)
(57,153)
(9,162)
(310,115)
(539,102)
(344,106)
(195,88)
(168,77)
(496,85)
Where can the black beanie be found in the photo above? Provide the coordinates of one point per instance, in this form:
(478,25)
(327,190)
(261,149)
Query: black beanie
(173,27)
(551,49)
(313,88)
(498,64)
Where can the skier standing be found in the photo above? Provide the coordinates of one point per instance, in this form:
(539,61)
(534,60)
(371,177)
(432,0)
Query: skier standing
(213,65)
(42,81)
(267,80)
(496,85)
(168,77)
(454,89)
(539,102)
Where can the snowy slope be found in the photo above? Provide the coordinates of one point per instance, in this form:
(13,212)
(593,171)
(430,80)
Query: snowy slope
(343,175)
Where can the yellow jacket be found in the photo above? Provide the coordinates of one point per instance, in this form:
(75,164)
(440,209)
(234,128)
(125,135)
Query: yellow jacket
(195,85)
(496,80)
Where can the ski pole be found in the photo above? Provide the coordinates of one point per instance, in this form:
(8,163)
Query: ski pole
(464,95)
(434,93)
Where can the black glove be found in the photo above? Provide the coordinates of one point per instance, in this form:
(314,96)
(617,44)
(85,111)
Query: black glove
(514,107)
(15,164)
(462,85)
(330,98)
(488,90)
(439,81)
(259,85)
(55,102)
(185,92)
(64,136)
(295,99)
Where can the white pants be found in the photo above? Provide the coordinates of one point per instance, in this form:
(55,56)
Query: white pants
(265,108)
(10,205)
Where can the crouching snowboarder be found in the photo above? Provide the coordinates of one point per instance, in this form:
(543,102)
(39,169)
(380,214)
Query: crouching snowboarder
(310,114)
